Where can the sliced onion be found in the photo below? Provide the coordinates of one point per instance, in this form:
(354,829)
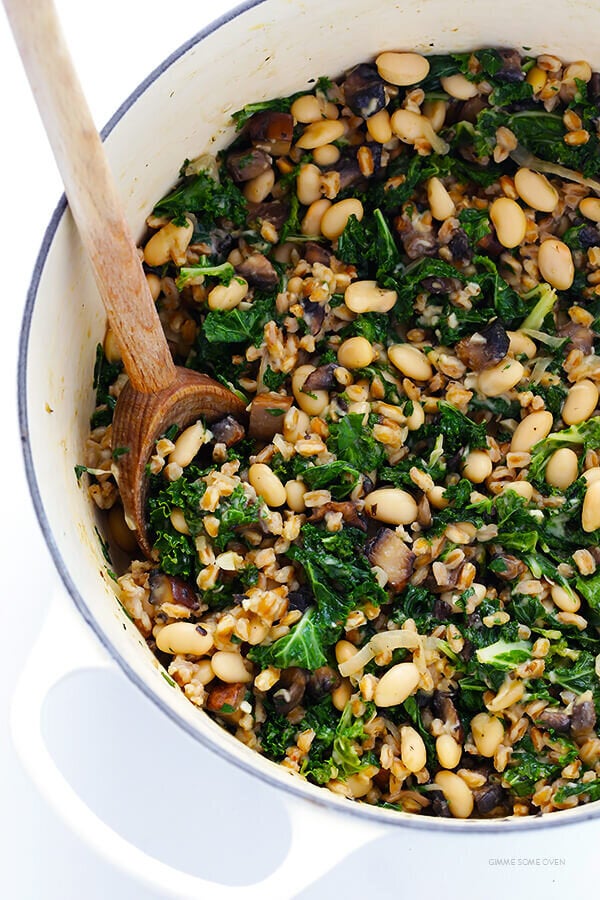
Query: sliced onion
(379,643)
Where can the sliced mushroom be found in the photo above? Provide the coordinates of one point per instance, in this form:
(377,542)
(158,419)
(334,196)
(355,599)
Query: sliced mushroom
(273,211)
(555,719)
(323,681)
(441,285)
(259,272)
(364,90)
(271,131)
(227,431)
(301,599)
(583,718)
(171,589)
(512,568)
(314,316)
(460,246)
(580,337)
(444,708)
(243,165)
(289,690)
(322,379)
(511,70)
(470,109)
(388,551)
(314,253)
(488,798)
(348,169)
(348,509)
(266,415)
(485,348)
(225,699)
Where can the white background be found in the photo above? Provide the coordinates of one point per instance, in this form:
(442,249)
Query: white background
(151,782)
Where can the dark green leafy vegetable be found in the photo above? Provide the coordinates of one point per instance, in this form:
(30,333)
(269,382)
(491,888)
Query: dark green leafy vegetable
(206,198)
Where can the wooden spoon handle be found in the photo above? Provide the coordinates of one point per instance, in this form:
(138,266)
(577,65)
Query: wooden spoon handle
(92,194)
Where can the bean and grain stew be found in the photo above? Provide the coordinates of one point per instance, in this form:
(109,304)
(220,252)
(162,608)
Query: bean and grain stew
(387,577)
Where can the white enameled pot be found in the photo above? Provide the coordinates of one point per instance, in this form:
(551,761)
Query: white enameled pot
(261,49)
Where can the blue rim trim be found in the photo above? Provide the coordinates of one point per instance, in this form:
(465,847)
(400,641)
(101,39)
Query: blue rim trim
(320,797)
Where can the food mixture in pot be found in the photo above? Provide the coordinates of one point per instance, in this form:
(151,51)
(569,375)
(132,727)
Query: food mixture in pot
(387,577)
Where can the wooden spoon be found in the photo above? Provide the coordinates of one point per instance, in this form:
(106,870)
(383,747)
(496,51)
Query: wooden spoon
(158,393)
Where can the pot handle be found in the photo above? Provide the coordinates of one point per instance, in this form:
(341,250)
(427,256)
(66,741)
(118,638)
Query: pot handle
(320,837)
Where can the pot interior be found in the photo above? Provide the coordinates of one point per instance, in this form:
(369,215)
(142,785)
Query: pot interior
(265,49)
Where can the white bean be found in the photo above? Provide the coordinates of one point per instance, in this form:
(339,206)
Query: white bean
(457,794)
(448,751)
(313,403)
(228,296)
(509,221)
(459,87)
(266,484)
(533,428)
(319,133)
(580,403)
(556,264)
(170,243)
(412,749)
(590,513)
(336,217)
(440,202)
(477,466)
(308,184)
(396,684)
(535,190)
(402,69)
(562,468)
(500,378)
(355,353)
(188,444)
(411,361)
(565,601)
(186,638)
(230,667)
(391,505)
(487,732)
(367,296)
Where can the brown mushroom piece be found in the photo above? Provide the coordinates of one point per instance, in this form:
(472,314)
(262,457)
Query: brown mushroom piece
(227,431)
(271,131)
(488,798)
(555,719)
(323,681)
(273,211)
(580,337)
(485,348)
(506,567)
(364,90)
(583,718)
(225,699)
(266,415)
(314,316)
(388,551)
(258,272)
(171,589)
(244,165)
(322,379)
(313,253)
(511,70)
(348,509)
(289,690)
(445,709)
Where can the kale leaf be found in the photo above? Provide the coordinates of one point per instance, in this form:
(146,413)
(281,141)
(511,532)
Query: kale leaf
(206,198)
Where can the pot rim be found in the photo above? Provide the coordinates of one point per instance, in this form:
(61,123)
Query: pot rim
(301,789)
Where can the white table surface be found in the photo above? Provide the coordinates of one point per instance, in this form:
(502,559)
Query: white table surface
(123,756)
